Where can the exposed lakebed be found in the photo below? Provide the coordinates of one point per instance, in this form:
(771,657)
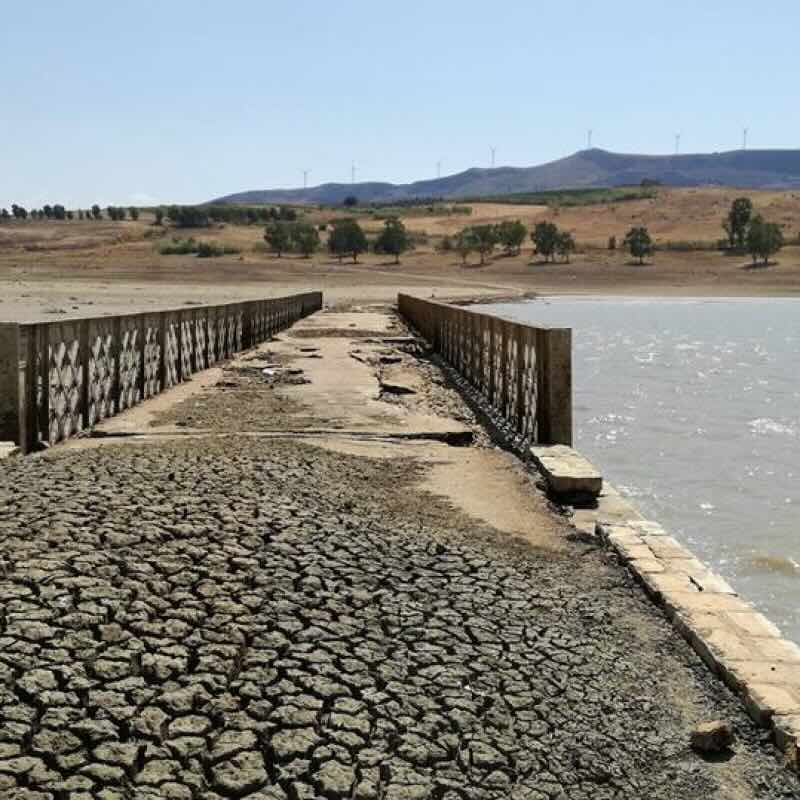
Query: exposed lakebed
(692,409)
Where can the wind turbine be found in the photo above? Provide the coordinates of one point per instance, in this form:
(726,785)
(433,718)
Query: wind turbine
(494,150)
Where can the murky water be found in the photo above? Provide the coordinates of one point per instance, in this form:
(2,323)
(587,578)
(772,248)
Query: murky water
(692,408)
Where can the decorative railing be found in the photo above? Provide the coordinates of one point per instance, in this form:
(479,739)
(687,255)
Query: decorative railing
(523,373)
(60,378)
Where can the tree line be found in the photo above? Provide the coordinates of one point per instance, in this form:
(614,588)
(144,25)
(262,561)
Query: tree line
(346,238)
(203,216)
(179,216)
(548,240)
(59,212)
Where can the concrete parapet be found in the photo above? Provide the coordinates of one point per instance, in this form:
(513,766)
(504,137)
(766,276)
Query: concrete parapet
(60,378)
(522,372)
(9,381)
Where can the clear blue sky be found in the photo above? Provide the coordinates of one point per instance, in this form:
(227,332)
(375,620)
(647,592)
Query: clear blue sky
(182,101)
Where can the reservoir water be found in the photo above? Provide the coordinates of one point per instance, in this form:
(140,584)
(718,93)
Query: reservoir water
(692,409)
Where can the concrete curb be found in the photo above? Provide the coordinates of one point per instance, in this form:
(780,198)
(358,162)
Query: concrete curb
(567,472)
(736,642)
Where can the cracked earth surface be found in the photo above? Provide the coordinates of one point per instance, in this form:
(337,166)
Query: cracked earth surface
(207,618)
(234,619)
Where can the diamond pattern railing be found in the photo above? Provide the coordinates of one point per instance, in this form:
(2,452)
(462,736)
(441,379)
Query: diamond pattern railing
(522,373)
(60,378)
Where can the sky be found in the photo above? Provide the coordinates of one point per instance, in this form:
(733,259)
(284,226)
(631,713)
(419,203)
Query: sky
(179,101)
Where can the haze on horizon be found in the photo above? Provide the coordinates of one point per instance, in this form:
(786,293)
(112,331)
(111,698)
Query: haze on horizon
(182,102)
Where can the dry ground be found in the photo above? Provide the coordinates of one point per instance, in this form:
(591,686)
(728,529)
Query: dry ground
(52,269)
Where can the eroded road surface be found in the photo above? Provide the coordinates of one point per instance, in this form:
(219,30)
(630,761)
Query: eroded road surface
(285,589)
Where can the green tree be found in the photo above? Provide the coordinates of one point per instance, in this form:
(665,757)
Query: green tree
(511,234)
(134,213)
(565,245)
(612,242)
(159,220)
(763,239)
(96,212)
(466,243)
(394,239)
(48,211)
(737,221)
(347,239)
(18,212)
(351,201)
(59,212)
(4,215)
(545,239)
(638,242)
(485,240)
(278,236)
(188,216)
(305,238)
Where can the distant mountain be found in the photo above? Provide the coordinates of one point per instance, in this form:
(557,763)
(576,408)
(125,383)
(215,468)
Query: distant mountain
(746,169)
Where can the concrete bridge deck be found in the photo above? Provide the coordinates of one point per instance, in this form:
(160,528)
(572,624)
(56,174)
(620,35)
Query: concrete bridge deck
(283,580)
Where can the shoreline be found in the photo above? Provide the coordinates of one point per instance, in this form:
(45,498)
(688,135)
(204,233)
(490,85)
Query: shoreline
(740,646)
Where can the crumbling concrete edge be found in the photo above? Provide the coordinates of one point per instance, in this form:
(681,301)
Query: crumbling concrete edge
(568,474)
(737,643)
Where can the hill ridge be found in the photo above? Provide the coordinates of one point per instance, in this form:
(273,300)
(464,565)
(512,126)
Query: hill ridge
(585,169)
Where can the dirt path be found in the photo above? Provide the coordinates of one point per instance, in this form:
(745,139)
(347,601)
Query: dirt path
(293,579)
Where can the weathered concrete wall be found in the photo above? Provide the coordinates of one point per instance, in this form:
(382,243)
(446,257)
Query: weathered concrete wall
(9,382)
(523,372)
(60,378)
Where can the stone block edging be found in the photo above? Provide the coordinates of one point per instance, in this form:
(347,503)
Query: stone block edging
(566,471)
(737,643)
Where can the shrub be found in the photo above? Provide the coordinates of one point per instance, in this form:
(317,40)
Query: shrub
(687,246)
(178,247)
(190,246)
(565,245)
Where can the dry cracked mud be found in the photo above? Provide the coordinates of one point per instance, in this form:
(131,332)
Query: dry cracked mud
(231,618)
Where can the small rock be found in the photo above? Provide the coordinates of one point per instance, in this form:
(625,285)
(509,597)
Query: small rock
(712,737)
